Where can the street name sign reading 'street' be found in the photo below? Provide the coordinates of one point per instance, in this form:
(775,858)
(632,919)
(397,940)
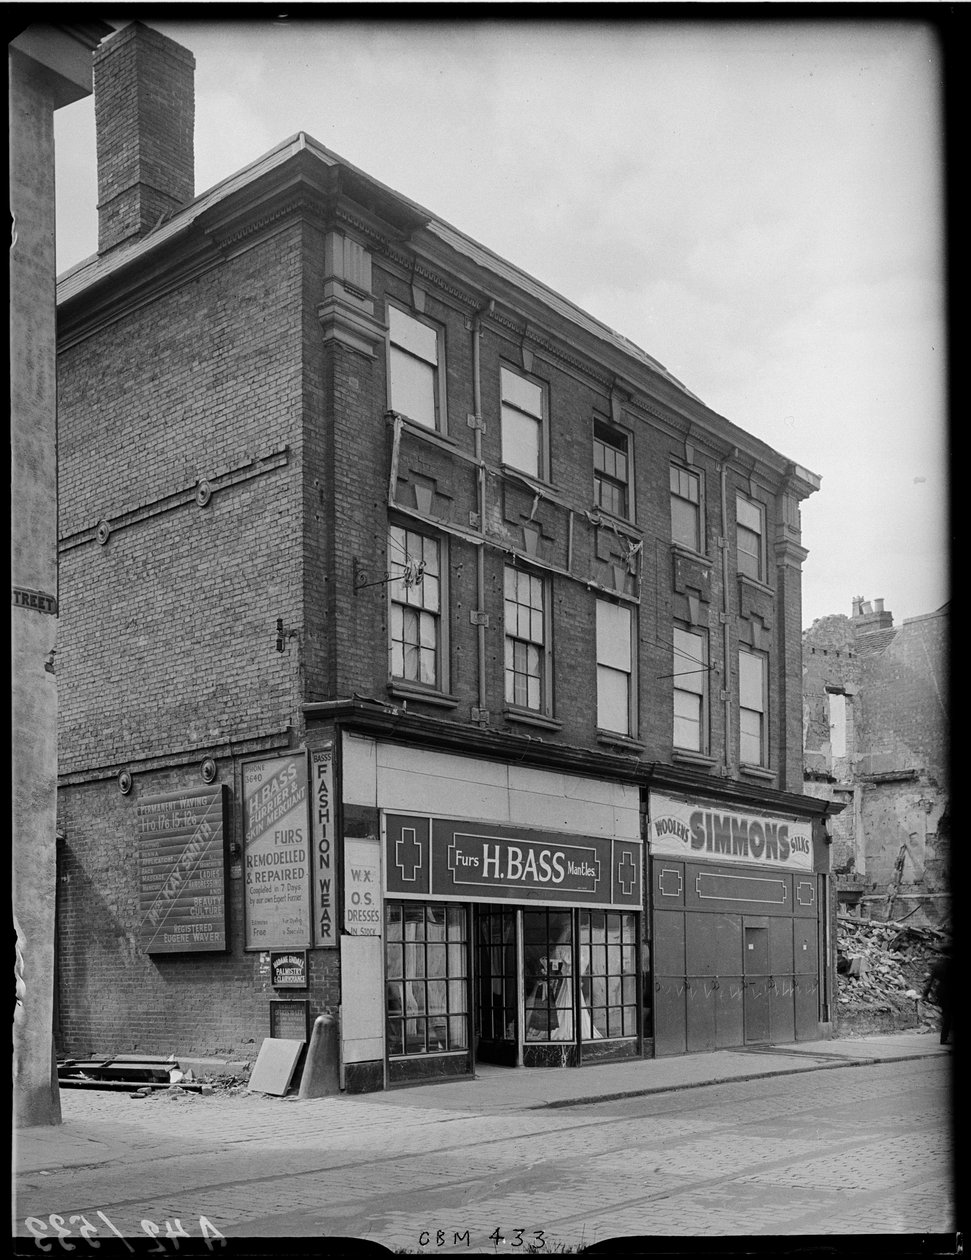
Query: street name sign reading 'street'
(182,871)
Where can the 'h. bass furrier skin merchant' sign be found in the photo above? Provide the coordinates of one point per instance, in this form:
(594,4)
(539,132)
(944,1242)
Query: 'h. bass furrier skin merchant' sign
(685,829)
(473,861)
(182,871)
(276,853)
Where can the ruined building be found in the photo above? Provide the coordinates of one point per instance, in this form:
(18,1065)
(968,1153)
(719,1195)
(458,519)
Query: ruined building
(876,739)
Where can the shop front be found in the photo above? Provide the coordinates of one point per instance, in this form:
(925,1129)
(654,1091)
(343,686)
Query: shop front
(510,916)
(739,926)
(518,943)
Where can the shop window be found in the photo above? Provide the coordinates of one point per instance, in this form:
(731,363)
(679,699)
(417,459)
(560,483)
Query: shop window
(608,973)
(523,422)
(426,975)
(686,508)
(752,707)
(750,538)
(497,975)
(690,689)
(611,470)
(526,627)
(548,975)
(414,368)
(415,566)
(615,668)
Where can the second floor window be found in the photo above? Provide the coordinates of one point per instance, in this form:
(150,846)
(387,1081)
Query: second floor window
(610,470)
(686,508)
(750,538)
(526,640)
(615,668)
(413,368)
(414,562)
(523,422)
(690,689)
(751,707)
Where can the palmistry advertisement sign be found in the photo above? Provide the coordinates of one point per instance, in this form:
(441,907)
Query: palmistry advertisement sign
(182,871)
(680,828)
(276,853)
(471,861)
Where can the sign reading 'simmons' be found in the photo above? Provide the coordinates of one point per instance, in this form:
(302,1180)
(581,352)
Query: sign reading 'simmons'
(445,857)
(182,871)
(684,829)
(276,853)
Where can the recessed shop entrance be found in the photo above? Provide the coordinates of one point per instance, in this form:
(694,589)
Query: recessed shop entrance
(555,986)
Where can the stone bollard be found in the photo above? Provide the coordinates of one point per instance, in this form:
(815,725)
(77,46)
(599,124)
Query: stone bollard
(321,1069)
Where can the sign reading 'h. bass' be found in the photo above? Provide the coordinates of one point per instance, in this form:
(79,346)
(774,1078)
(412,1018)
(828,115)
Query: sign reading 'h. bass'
(450,858)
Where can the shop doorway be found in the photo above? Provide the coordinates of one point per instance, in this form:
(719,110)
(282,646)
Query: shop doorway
(556,987)
(756,978)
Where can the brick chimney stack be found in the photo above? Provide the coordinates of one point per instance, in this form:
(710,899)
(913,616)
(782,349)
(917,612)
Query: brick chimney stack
(144,100)
(867,617)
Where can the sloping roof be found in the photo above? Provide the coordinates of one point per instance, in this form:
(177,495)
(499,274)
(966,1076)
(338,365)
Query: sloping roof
(874,642)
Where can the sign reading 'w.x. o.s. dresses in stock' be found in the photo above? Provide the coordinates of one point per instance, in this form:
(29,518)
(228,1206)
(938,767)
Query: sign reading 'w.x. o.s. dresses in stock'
(470,861)
(684,829)
(276,853)
(182,871)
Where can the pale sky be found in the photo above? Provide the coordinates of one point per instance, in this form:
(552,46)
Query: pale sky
(759,206)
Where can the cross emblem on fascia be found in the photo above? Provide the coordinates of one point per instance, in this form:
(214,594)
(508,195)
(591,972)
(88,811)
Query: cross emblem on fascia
(407,854)
(626,873)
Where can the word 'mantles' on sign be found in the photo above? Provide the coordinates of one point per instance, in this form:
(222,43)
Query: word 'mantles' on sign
(276,853)
(182,871)
(322,819)
(679,828)
(441,857)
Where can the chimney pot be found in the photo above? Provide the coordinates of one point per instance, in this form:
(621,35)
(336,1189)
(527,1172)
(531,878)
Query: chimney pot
(867,608)
(857,605)
(878,605)
(144,106)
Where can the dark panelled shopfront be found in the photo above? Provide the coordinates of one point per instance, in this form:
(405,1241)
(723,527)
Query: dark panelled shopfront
(517,946)
(738,928)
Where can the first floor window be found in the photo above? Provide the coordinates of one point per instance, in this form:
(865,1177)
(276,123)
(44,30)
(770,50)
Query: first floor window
(427,1004)
(414,563)
(752,707)
(690,689)
(526,638)
(615,668)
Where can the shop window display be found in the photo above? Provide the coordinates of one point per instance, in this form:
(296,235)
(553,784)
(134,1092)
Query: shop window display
(427,996)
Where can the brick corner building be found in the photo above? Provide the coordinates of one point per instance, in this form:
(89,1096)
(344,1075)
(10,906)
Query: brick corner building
(429,653)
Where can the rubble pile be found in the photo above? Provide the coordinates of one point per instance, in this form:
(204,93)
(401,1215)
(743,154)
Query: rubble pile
(883,966)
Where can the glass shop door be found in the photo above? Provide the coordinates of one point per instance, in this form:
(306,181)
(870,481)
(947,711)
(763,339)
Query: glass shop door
(497,985)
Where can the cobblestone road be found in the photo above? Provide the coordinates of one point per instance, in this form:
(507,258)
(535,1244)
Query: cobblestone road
(849,1151)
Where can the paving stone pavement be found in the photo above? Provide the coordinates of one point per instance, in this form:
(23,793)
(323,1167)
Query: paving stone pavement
(769,1150)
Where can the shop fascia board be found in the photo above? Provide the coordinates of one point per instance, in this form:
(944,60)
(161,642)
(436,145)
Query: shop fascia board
(734,793)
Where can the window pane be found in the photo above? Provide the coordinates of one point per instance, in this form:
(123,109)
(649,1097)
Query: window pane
(685,521)
(749,553)
(750,737)
(751,681)
(412,335)
(413,388)
(748,515)
(613,635)
(613,700)
(520,441)
(690,659)
(523,394)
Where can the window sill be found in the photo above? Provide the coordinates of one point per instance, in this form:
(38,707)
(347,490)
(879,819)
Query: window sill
(625,523)
(682,550)
(693,758)
(756,772)
(619,741)
(756,584)
(421,430)
(528,718)
(533,480)
(438,698)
